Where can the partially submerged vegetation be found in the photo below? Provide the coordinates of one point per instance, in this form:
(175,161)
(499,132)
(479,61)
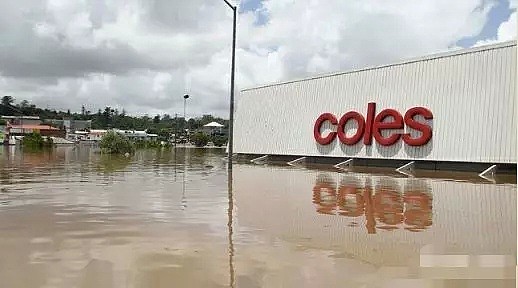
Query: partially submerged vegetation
(200,139)
(219,140)
(36,141)
(115,143)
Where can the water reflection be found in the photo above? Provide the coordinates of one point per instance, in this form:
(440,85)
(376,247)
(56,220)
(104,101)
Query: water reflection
(230,227)
(386,205)
(112,163)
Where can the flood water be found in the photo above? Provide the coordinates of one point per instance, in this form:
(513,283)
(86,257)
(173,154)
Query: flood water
(74,218)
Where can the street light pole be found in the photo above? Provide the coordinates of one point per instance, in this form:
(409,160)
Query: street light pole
(185,97)
(232,77)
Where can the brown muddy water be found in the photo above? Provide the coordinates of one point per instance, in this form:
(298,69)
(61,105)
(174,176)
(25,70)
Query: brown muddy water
(74,218)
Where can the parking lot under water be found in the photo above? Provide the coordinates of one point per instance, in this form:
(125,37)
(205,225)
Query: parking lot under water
(164,218)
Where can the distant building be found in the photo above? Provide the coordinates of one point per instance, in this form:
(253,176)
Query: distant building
(97,134)
(136,134)
(43,130)
(21,125)
(70,125)
(22,120)
(213,128)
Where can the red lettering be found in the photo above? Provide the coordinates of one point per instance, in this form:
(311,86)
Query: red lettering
(397,123)
(359,132)
(426,131)
(374,125)
(371,113)
(318,124)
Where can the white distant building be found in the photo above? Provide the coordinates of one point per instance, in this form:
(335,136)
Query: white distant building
(212,127)
(97,135)
(136,134)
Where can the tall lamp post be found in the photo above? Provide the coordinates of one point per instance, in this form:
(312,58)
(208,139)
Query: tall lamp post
(231,120)
(185,97)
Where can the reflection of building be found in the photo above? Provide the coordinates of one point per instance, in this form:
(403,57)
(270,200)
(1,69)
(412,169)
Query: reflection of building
(470,218)
(2,134)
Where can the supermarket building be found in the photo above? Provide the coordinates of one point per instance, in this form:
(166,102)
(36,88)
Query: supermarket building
(455,110)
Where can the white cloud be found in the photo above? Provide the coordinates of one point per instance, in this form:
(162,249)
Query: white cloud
(507,30)
(144,55)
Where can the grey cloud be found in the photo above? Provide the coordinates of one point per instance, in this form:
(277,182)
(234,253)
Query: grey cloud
(185,16)
(54,61)
(25,55)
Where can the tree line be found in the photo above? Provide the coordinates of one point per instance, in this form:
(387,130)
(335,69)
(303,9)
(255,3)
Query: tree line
(163,125)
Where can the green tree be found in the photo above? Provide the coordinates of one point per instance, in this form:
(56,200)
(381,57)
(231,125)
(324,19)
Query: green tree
(200,139)
(219,140)
(36,141)
(115,143)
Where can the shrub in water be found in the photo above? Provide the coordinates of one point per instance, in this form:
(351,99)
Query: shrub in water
(219,140)
(200,139)
(114,143)
(36,141)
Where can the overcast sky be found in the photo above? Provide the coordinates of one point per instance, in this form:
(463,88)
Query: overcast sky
(144,55)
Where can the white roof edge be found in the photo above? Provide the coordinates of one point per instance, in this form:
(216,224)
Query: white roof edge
(213,124)
(439,55)
(23,116)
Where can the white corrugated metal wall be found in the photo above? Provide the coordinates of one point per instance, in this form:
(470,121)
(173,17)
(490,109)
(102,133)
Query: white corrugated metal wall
(471,94)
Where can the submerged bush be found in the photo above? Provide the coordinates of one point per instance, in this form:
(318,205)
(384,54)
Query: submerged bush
(114,143)
(200,139)
(36,141)
(219,140)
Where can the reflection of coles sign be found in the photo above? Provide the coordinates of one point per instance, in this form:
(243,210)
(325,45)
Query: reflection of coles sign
(373,126)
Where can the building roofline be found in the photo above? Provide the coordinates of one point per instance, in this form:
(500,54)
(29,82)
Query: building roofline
(439,55)
(32,126)
(23,117)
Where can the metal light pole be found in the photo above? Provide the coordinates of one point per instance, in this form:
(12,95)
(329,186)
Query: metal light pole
(185,97)
(231,120)
(231,148)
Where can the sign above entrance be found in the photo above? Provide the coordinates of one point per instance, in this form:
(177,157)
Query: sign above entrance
(373,126)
